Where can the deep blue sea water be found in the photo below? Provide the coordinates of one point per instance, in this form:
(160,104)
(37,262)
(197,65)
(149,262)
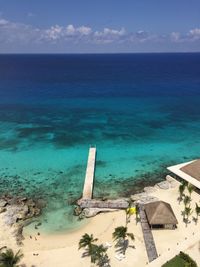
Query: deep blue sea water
(142,111)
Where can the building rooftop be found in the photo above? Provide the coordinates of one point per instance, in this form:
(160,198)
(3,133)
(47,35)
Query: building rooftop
(192,169)
(189,171)
(160,212)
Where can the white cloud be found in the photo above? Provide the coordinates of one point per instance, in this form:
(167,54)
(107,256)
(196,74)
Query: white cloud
(109,35)
(110,32)
(18,33)
(191,36)
(195,34)
(70,30)
(84,30)
(143,36)
(54,33)
(3,22)
(67,33)
(22,34)
(175,36)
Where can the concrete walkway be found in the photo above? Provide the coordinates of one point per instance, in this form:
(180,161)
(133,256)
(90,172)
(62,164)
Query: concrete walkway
(147,235)
(106,204)
(89,176)
(168,255)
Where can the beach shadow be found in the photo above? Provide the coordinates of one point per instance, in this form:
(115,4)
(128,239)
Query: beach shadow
(24,265)
(122,246)
(85,254)
(195,220)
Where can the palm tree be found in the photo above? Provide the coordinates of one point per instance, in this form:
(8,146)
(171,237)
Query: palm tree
(86,241)
(190,188)
(187,212)
(186,200)
(137,213)
(128,211)
(98,255)
(9,259)
(197,210)
(185,183)
(181,191)
(128,215)
(121,236)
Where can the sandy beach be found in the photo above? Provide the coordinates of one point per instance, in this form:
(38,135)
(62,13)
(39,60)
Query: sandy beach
(62,249)
(6,232)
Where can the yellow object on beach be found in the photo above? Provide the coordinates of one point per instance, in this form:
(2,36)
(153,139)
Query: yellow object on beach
(131,210)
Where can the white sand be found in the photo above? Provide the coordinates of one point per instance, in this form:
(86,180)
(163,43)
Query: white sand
(62,250)
(7,237)
(168,242)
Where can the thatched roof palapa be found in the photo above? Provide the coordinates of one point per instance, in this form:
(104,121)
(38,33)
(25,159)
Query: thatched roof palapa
(160,212)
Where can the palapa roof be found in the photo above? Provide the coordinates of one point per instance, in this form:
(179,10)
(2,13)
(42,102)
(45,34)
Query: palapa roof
(192,169)
(160,212)
(189,171)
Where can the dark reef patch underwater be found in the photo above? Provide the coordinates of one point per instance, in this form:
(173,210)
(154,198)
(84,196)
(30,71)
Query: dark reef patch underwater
(141,111)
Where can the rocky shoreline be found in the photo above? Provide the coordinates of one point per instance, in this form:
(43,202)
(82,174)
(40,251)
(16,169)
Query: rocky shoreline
(17,212)
(90,208)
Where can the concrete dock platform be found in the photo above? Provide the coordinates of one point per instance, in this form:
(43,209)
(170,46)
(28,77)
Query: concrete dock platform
(89,176)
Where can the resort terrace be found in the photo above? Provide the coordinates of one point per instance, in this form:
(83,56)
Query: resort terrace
(189,171)
(160,209)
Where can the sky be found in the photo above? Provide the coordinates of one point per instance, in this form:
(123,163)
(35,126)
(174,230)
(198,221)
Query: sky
(99,26)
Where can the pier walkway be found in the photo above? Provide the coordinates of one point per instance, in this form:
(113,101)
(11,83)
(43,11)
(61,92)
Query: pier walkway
(89,176)
(103,204)
(147,234)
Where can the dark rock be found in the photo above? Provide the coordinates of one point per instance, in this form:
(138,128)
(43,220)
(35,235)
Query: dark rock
(18,213)
(19,234)
(3,209)
(41,203)
(3,203)
(24,199)
(91,212)
(77,211)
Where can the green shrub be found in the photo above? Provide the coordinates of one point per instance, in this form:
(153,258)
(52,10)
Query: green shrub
(175,262)
(181,260)
(190,262)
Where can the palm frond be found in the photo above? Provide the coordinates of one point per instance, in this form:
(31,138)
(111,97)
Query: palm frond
(9,259)
(86,240)
(131,235)
(119,233)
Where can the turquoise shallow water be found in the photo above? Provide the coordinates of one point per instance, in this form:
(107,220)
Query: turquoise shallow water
(142,117)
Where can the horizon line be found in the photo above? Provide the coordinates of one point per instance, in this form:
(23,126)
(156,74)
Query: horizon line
(95,53)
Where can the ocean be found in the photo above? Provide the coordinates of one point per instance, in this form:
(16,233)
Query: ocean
(142,111)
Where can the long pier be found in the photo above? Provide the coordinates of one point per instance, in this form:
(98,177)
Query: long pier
(89,176)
